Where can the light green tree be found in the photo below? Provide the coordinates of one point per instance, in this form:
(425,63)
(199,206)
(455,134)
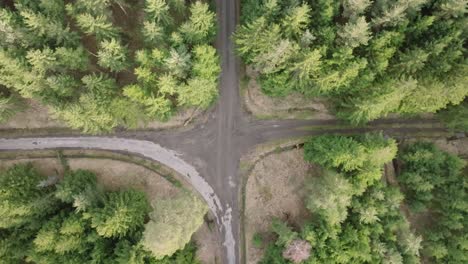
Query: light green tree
(113,55)
(198,92)
(158,10)
(152,32)
(206,63)
(296,20)
(173,223)
(355,33)
(330,196)
(201,25)
(98,25)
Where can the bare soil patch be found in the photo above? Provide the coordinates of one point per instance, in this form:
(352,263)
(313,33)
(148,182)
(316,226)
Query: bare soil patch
(275,189)
(293,106)
(116,174)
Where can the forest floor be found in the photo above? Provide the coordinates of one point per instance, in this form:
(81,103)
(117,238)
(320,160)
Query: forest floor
(293,106)
(114,174)
(275,189)
(38,116)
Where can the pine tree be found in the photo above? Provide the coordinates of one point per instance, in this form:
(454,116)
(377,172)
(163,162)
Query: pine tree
(198,93)
(21,200)
(98,25)
(178,63)
(296,20)
(158,10)
(159,108)
(88,114)
(354,8)
(61,87)
(74,184)
(206,63)
(123,213)
(277,58)
(42,61)
(201,25)
(10,31)
(284,232)
(355,33)
(112,55)
(167,85)
(71,58)
(330,197)
(152,32)
(47,27)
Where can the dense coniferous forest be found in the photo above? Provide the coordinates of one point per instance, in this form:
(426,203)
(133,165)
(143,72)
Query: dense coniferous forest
(357,217)
(105,63)
(75,220)
(435,184)
(370,58)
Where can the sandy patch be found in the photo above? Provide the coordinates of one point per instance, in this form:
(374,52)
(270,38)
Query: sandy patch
(275,188)
(293,106)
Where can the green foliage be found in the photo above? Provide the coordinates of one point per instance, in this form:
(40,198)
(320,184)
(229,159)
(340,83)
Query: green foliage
(172,224)
(206,63)
(435,180)
(198,92)
(371,58)
(97,25)
(351,224)
(361,158)
(200,28)
(257,240)
(112,55)
(330,197)
(80,58)
(86,224)
(123,213)
(425,169)
(22,200)
(454,117)
(284,232)
(9,106)
(75,184)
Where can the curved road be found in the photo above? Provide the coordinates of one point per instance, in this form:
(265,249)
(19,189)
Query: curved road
(208,155)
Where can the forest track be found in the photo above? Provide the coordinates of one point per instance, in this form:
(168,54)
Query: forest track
(208,154)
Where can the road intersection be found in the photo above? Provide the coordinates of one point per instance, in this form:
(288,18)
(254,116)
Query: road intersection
(208,153)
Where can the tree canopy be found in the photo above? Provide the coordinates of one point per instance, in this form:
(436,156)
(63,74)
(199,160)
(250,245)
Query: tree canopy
(434,181)
(103,64)
(370,58)
(356,216)
(74,220)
